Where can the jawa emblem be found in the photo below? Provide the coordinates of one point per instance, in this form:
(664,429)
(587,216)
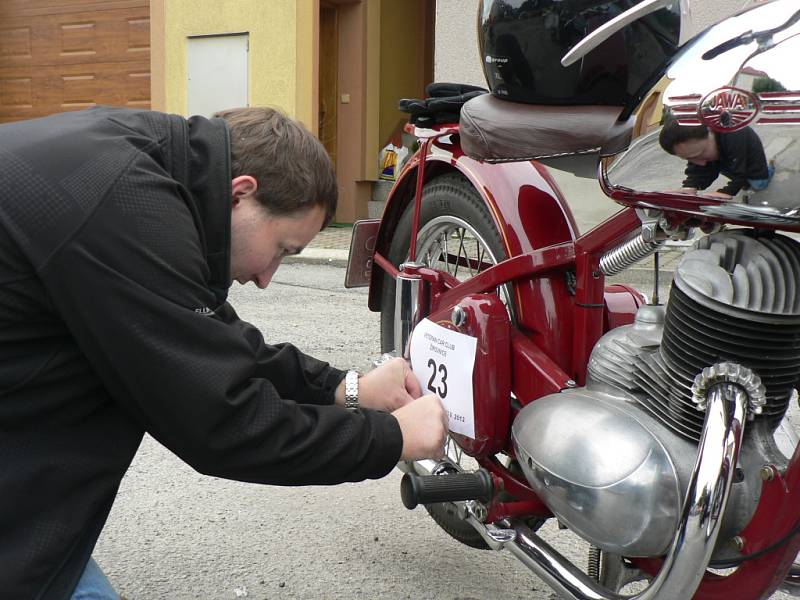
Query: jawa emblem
(728,109)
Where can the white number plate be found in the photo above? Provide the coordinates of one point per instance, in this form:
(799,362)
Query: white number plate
(443,361)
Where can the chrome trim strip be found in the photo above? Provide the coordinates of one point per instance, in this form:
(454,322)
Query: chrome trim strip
(605,31)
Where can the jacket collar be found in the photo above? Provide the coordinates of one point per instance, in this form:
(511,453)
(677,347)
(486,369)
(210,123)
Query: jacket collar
(205,171)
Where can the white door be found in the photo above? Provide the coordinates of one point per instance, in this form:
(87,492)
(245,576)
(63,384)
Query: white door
(217,73)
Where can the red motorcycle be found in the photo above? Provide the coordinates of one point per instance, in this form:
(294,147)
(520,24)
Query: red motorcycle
(654,432)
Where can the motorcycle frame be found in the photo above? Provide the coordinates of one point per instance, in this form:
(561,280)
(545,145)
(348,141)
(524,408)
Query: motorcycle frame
(540,237)
(540,248)
(539,367)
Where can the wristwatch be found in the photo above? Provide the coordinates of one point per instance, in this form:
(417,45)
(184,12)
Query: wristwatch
(351,390)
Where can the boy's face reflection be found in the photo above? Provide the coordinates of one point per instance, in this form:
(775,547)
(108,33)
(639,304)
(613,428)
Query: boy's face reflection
(698,151)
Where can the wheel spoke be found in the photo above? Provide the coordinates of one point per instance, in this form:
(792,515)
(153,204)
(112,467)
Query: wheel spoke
(436,239)
(454,452)
(437,255)
(460,234)
(472,271)
(445,235)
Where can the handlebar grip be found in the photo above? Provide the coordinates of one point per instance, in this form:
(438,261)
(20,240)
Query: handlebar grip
(429,489)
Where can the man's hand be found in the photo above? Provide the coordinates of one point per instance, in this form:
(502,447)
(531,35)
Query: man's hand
(424,425)
(388,387)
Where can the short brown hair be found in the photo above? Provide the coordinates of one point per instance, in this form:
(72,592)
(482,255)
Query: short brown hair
(291,166)
(673,133)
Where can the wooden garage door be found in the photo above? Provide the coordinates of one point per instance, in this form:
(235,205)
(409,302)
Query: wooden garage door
(59,55)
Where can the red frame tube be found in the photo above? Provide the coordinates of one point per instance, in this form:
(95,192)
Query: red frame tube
(423,152)
(385,264)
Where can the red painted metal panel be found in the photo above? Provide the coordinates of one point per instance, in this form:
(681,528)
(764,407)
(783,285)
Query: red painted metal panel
(487,320)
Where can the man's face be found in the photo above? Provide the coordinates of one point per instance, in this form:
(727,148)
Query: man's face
(259,240)
(698,151)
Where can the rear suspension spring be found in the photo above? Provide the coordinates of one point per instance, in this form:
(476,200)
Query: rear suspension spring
(627,254)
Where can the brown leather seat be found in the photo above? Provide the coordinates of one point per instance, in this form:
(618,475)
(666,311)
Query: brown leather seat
(495,130)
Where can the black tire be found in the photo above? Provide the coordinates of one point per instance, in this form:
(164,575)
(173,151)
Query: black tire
(445,196)
(446,199)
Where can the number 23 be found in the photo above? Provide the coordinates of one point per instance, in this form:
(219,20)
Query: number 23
(442,370)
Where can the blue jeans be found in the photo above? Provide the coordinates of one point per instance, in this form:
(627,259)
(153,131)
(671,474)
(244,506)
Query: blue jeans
(94,585)
(760,184)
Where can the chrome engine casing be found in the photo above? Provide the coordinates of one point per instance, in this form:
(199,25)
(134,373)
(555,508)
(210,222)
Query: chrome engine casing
(615,475)
(613,460)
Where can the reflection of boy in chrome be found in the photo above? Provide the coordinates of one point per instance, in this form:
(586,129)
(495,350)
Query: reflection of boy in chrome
(739,155)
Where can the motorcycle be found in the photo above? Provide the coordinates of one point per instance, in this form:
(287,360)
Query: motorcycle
(652,431)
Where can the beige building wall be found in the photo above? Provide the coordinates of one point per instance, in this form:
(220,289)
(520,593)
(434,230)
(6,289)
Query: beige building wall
(405,59)
(383,51)
(281,50)
(456,53)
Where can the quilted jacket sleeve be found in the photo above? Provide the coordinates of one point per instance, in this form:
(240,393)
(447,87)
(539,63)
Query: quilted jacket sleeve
(131,286)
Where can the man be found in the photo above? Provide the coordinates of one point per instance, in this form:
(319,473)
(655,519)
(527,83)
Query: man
(738,155)
(120,233)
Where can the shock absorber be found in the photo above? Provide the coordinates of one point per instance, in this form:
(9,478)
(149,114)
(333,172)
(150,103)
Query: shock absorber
(629,253)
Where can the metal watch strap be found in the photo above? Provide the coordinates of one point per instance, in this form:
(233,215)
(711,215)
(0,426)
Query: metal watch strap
(351,390)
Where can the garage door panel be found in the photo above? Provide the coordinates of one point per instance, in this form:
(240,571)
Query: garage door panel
(15,42)
(54,7)
(29,93)
(107,36)
(58,55)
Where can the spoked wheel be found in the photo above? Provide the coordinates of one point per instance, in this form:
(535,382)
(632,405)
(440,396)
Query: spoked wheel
(457,236)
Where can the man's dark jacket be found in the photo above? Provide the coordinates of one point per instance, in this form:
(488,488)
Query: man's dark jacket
(114,269)
(741,158)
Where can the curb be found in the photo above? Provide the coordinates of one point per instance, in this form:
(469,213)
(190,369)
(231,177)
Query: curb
(320,256)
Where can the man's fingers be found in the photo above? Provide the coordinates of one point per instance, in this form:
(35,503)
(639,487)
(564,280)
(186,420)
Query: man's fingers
(411,382)
(424,428)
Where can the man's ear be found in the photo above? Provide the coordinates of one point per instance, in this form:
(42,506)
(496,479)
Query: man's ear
(242,187)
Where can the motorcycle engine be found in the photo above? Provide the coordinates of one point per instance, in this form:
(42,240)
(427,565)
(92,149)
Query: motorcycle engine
(613,460)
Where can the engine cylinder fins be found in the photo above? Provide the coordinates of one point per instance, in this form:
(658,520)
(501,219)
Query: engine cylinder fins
(698,334)
(658,364)
(740,270)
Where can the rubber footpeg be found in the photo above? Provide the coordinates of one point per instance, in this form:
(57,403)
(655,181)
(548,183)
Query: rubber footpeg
(450,487)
